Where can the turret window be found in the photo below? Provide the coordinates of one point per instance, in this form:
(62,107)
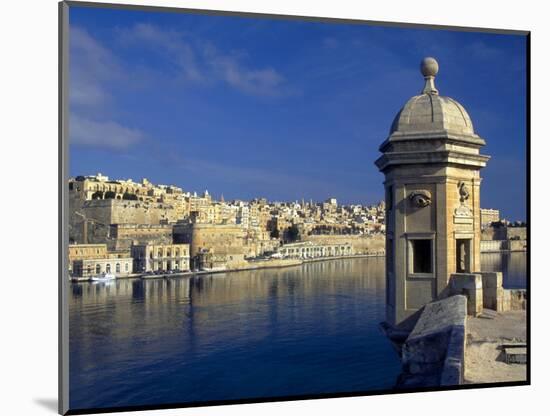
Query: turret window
(421,256)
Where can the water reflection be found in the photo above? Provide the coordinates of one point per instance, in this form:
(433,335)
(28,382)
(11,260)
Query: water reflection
(275,332)
(513,266)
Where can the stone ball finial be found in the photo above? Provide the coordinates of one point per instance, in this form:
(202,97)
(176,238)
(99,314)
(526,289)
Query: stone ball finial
(429,67)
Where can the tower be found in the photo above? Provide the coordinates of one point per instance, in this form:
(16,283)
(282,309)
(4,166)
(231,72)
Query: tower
(431,163)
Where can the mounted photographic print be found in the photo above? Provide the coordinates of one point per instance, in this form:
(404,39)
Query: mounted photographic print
(265,208)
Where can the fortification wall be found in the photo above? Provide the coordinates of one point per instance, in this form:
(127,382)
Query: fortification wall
(221,239)
(516,233)
(488,246)
(112,211)
(493,233)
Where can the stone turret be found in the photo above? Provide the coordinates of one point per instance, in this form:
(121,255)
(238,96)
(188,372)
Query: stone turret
(431,163)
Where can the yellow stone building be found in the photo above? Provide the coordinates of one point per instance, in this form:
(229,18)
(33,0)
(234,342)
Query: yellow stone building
(87,260)
(160,257)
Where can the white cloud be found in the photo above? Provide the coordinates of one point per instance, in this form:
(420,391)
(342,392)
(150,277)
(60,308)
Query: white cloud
(91,67)
(202,62)
(166,42)
(102,134)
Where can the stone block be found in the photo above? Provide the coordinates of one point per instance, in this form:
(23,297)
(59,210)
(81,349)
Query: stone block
(471,286)
(493,293)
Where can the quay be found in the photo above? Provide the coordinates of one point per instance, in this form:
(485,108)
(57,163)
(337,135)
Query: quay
(256,265)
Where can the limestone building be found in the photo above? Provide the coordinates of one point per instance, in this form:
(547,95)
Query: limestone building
(431,163)
(310,250)
(87,251)
(87,260)
(120,267)
(164,257)
(489,216)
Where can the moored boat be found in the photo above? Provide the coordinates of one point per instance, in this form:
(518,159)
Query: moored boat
(103,277)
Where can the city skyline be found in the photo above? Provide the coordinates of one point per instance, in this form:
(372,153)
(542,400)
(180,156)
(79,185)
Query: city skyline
(279,109)
(220,197)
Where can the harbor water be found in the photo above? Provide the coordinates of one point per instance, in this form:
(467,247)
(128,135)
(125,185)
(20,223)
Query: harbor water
(301,330)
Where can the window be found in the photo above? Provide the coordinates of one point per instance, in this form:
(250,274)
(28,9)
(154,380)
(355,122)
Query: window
(98,268)
(108,268)
(462,255)
(421,256)
(117,267)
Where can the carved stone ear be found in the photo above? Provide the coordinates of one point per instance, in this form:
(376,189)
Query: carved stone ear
(420,198)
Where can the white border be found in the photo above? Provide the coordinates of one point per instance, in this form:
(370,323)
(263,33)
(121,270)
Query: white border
(28,306)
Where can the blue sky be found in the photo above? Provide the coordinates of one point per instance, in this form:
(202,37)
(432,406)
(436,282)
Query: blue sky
(282,109)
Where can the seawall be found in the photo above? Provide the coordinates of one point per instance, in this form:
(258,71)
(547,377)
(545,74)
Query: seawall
(499,246)
(262,264)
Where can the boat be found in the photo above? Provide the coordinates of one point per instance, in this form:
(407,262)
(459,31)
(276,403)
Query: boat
(103,277)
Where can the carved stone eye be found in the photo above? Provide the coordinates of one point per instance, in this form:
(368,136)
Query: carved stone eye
(420,198)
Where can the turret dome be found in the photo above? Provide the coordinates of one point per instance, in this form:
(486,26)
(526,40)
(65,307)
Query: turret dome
(429,112)
(431,129)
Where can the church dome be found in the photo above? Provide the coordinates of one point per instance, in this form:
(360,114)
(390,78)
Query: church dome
(430,112)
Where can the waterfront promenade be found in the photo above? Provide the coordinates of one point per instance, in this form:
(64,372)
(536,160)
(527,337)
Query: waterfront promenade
(252,265)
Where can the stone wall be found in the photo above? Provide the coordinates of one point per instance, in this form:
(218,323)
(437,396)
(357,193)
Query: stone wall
(433,354)
(493,233)
(490,246)
(112,211)
(90,221)
(514,299)
(123,236)
(362,244)
(516,233)
(221,239)
(517,245)
(484,290)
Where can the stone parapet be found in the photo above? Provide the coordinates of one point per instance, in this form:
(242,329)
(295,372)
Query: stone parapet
(514,299)
(493,293)
(452,373)
(471,286)
(433,353)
